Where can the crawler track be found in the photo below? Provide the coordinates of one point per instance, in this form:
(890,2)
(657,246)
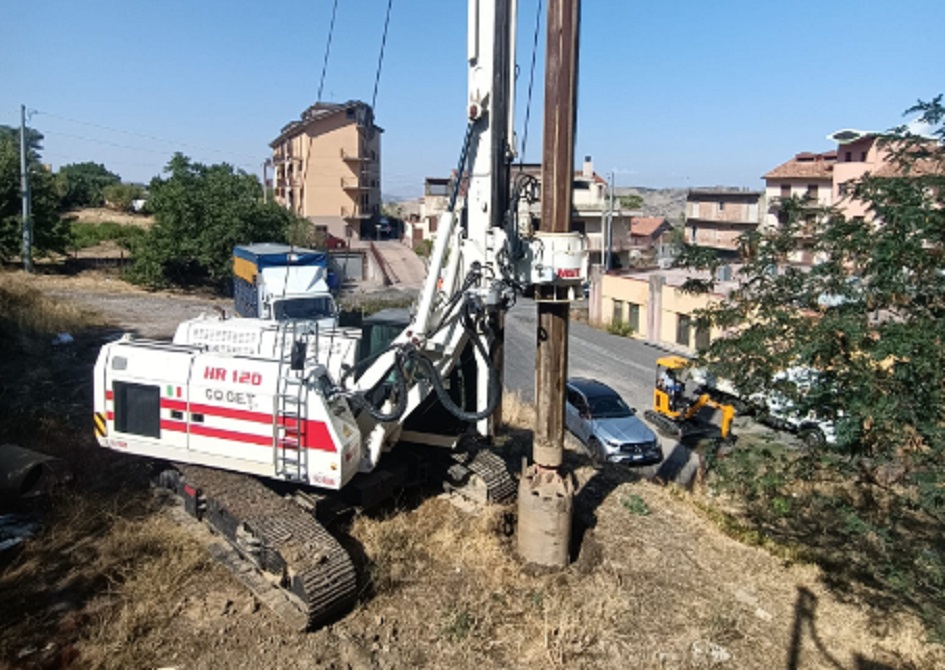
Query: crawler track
(282,541)
(489,477)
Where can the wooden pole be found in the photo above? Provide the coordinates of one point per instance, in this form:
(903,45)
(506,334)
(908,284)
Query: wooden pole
(557,179)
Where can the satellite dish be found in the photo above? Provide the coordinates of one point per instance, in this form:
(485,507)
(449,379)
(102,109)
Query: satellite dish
(848,135)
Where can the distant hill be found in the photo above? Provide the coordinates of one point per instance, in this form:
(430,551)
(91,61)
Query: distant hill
(668,202)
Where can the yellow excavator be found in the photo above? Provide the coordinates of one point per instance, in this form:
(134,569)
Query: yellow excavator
(675,414)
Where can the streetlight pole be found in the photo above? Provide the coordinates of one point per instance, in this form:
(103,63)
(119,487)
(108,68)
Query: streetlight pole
(27,250)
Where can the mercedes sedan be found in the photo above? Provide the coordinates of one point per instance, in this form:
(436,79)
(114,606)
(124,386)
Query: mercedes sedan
(607,426)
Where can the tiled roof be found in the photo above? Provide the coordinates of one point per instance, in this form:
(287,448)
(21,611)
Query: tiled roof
(645,226)
(806,165)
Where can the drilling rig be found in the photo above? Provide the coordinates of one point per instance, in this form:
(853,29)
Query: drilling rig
(248,409)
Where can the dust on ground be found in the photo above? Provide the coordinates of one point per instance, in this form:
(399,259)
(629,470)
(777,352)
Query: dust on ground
(112,582)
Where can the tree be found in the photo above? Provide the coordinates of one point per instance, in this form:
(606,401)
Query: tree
(122,196)
(632,202)
(201,212)
(50,233)
(868,321)
(83,184)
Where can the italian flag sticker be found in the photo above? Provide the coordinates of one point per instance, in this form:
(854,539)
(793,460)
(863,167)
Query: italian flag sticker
(173,391)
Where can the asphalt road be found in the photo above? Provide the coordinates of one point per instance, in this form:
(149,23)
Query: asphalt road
(626,365)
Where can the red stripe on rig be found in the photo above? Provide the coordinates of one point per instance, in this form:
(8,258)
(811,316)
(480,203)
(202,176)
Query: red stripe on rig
(316,433)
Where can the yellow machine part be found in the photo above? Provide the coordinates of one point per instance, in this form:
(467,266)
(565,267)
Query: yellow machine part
(244,269)
(672,362)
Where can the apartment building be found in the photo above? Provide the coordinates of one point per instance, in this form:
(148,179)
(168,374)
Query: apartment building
(326,167)
(717,217)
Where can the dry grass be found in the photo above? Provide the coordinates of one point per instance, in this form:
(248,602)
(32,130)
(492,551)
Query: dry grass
(103,214)
(104,571)
(516,413)
(25,311)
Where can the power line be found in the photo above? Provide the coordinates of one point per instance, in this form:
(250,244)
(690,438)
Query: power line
(94,140)
(331,30)
(380,58)
(142,135)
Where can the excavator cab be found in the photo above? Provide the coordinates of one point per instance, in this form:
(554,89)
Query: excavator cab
(669,392)
(676,415)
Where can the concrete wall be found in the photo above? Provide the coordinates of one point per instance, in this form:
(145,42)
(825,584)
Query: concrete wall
(659,304)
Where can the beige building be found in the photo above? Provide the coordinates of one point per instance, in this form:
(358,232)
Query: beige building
(716,218)
(327,167)
(656,309)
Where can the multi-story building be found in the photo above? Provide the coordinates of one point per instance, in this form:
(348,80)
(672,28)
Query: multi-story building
(717,217)
(327,167)
(807,175)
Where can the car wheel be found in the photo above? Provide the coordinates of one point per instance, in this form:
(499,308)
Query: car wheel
(595,451)
(812,437)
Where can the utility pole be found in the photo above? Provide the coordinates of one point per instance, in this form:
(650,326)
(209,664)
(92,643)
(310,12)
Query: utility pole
(265,164)
(610,221)
(546,492)
(27,249)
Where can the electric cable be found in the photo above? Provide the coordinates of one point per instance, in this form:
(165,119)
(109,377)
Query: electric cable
(153,138)
(331,30)
(380,58)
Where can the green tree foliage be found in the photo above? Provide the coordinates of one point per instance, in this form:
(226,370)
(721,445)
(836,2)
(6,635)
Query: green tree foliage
(50,233)
(83,184)
(631,202)
(869,318)
(201,212)
(121,197)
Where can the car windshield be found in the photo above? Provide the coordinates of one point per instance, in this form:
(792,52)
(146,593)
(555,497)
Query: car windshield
(608,407)
(305,308)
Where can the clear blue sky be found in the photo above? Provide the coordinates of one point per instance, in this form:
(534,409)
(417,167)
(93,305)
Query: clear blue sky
(671,93)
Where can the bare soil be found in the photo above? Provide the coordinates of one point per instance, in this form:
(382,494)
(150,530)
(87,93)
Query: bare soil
(112,581)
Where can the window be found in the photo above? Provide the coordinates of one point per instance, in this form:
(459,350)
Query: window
(863,156)
(785,191)
(702,339)
(812,191)
(137,409)
(721,206)
(848,156)
(843,188)
(574,398)
(634,316)
(683,324)
(617,317)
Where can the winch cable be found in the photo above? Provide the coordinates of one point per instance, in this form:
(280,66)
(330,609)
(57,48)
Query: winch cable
(531,83)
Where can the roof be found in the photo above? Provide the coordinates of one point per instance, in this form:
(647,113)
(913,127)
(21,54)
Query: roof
(323,110)
(806,165)
(646,226)
(591,388)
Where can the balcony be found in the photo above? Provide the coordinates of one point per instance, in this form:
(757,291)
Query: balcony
(357,212)
(594,243)
(353,184)
(355,158)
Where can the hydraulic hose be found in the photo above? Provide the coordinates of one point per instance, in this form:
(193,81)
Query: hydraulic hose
(399,393)
(494,392)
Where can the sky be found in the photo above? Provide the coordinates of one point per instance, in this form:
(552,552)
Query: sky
(676,93)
